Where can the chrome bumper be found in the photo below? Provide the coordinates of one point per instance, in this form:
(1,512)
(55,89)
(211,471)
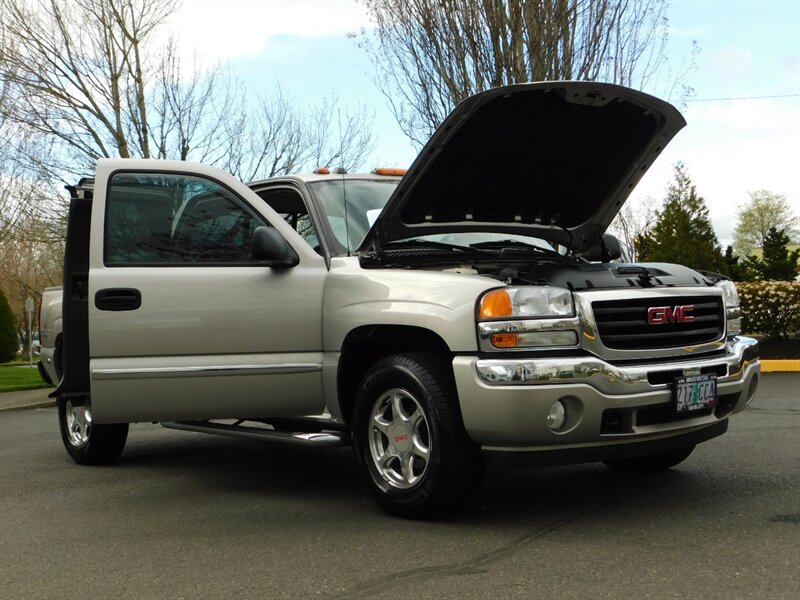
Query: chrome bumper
(505,402)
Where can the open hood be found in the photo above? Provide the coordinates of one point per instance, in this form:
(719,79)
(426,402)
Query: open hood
(554,160)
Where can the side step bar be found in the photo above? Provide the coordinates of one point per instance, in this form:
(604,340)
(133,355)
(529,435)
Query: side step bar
(323,439)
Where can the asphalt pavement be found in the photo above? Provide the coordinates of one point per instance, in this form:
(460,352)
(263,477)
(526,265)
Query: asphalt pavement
(186,515)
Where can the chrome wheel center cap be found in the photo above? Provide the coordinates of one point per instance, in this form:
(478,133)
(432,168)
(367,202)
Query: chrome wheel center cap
(401,438)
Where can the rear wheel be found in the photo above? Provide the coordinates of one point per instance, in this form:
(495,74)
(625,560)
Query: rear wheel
(652,463)
(87,443)
(410,437)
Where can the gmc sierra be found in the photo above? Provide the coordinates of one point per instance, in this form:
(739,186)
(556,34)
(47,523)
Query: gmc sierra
(467,310)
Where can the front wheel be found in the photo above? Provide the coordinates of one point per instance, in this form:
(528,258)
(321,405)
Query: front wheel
(652,463)
(410,439)
(87,443)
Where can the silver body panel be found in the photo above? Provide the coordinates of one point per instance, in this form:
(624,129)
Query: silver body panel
(199,387)
(441,302)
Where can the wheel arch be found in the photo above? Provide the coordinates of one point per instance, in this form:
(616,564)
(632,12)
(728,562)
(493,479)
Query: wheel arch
(365,345)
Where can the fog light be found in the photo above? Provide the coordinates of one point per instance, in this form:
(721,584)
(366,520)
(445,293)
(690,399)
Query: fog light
(557,416)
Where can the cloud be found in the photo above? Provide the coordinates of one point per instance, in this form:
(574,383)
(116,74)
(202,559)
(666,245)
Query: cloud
(756,115)
(691,32)
(219,30)
(731,61)
(731,148)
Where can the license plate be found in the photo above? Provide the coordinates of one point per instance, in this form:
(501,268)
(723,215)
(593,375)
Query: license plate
(695,393)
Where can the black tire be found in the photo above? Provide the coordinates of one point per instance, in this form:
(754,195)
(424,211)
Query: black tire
(87,443)
(652,463)
(410,439)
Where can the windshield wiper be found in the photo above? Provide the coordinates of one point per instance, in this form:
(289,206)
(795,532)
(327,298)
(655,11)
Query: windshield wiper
(414,243)
(417,251)
(515,246)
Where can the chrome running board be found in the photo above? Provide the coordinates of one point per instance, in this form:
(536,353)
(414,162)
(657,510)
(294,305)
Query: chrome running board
(299,438)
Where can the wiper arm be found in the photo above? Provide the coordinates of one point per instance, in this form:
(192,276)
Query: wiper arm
(417,243)
(512,244)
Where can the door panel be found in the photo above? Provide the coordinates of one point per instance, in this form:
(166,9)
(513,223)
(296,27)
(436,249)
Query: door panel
(206,387)
(214,334)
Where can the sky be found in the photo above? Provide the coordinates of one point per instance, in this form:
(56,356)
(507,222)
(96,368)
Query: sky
(743,131)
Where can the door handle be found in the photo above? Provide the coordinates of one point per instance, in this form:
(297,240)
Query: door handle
(118,299)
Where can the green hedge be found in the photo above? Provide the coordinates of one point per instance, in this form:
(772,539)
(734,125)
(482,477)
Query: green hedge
(771,308)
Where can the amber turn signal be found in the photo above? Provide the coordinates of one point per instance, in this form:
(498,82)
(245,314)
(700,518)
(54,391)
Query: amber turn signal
(496,304)
(505,340)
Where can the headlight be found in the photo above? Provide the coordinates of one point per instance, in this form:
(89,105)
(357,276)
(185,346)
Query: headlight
(539,301)
(729,293)
(733,314)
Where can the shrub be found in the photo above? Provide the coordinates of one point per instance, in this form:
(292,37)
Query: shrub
(771,308)
(9,340)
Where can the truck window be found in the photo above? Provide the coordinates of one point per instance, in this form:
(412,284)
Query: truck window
(163,219)
(290,206)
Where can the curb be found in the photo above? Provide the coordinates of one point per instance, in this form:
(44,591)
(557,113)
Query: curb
(780,366)
(26,399)
(29,406)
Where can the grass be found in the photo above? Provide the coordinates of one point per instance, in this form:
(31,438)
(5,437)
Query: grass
(17,376)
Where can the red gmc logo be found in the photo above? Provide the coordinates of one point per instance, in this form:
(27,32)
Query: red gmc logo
(401,438)
(659,315)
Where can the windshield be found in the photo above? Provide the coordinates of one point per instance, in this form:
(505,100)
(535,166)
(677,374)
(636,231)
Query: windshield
(365,201)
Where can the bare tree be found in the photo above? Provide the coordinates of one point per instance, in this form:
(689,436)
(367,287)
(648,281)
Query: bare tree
(25,194)
(277,137)
(79,72)
(86,79)
(633,221)
(31,241)
(89,76)
(431,54)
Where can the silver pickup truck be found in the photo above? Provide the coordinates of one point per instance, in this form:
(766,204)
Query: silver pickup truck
(50,334)
(465,312)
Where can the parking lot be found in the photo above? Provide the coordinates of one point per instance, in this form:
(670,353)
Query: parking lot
(186,515)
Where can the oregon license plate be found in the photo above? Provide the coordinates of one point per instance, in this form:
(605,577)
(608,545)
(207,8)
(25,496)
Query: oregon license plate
(695,393)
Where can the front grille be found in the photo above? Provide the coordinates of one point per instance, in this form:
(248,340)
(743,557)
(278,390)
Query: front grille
(623,324)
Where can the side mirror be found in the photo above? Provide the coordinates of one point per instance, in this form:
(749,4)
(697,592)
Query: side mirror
(605,249)
(269,248)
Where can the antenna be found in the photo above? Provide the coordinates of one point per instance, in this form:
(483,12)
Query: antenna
(346,221)
(343,172)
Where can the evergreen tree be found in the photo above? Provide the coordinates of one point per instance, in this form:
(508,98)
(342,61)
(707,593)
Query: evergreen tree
(683,233)
(9,340)
(644,245)
(734,269)
(776,263)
